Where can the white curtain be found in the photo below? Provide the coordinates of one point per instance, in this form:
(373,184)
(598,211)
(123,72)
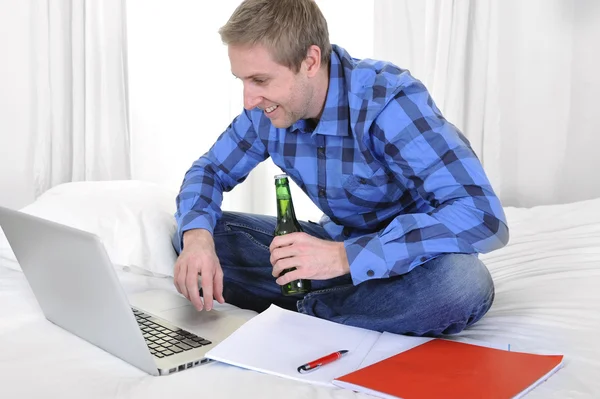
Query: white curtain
(518,78)
(79,82)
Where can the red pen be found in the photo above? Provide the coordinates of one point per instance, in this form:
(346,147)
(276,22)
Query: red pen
(315,364)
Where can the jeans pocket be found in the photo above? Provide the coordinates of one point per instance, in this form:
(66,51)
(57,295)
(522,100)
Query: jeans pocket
(258,236)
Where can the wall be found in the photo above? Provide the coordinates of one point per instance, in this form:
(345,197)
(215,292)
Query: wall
(179,84)
(183,95)
(180,90)
(16,182)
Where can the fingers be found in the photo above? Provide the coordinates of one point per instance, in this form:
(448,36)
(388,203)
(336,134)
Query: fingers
(277,256)
(282,264)
(282,250)
(198,258)
(277,242)
(218,286)
(289,276)
(207,289)
(285,240)
(175,275)
(192,288)
(180,276)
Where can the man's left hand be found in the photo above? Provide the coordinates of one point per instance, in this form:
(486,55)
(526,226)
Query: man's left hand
(313,258)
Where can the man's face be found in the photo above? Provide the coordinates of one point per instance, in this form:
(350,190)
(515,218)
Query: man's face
(284,96)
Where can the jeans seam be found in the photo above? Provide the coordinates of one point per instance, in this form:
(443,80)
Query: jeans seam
(228,224)
(300,304)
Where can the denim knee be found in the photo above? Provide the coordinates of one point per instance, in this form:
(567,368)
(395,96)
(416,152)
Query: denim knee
(442,296)
(469,293)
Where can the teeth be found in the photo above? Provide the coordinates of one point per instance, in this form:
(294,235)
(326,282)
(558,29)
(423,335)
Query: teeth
(271,109)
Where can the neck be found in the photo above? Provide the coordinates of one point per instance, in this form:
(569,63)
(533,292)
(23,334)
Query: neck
(321,86)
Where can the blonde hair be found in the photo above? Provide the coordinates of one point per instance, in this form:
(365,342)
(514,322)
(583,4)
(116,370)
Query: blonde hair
(286,27)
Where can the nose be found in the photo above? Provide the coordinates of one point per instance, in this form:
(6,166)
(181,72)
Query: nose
(251,99)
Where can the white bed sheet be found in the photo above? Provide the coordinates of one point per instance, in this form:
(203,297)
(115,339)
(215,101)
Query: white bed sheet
(547,301)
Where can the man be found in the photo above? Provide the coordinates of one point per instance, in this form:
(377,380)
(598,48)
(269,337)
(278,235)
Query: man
(406,203)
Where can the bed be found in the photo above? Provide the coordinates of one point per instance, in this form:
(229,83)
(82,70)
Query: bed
(547,301)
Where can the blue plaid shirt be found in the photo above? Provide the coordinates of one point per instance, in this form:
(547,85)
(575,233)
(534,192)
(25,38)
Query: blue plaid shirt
(397,183)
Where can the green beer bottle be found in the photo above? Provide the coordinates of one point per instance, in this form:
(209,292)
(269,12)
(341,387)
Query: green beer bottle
(287,223)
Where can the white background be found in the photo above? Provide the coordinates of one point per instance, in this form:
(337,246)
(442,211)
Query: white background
(182,94)
(16,183)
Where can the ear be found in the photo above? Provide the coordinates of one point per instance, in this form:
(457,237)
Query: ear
(312,62)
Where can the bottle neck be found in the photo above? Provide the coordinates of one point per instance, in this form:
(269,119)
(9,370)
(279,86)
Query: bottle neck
(286,217)
(285,206)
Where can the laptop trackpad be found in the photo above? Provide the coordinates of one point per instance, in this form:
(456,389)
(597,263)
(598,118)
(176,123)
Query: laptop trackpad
(157,300)
(175,309)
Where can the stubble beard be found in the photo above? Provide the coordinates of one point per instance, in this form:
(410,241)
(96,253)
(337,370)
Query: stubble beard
(291,117)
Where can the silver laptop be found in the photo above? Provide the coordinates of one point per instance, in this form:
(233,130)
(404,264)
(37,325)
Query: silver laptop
(77,288)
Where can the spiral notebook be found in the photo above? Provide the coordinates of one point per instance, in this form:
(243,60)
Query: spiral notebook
(449,369)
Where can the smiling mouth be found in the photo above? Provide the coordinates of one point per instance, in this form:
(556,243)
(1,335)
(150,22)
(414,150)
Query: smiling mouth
(270,109)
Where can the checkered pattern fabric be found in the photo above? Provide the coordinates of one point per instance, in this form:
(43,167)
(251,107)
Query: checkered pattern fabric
(396,182)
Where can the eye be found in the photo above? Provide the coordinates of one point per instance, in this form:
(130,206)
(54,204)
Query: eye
(259,81)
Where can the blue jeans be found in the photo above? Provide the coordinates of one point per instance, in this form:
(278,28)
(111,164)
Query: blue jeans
(442,296)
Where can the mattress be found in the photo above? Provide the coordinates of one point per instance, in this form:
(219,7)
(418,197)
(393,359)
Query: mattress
(547,301)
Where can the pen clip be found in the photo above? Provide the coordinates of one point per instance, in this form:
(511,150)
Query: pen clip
(305,368)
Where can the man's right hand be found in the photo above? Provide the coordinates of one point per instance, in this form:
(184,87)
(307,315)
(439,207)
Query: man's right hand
(199,257)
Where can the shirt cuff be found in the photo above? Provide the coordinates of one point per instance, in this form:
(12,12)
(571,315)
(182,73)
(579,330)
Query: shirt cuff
(366,258)
(368,255)
(200,222)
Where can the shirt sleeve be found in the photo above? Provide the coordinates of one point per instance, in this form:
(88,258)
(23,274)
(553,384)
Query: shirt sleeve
(437,161)
(229,161)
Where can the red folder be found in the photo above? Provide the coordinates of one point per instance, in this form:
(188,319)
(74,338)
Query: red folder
(449,369)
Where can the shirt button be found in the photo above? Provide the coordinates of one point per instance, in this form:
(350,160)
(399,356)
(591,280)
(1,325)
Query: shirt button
(346,232)
(362,180)
(321,151)
(423,258)
(370,273)
(322,192)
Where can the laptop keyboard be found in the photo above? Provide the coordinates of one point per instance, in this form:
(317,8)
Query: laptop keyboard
(164,339)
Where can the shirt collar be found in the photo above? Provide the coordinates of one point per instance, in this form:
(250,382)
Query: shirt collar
(335,118)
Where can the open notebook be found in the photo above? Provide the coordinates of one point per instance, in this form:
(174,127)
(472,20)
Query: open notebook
(278,341)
